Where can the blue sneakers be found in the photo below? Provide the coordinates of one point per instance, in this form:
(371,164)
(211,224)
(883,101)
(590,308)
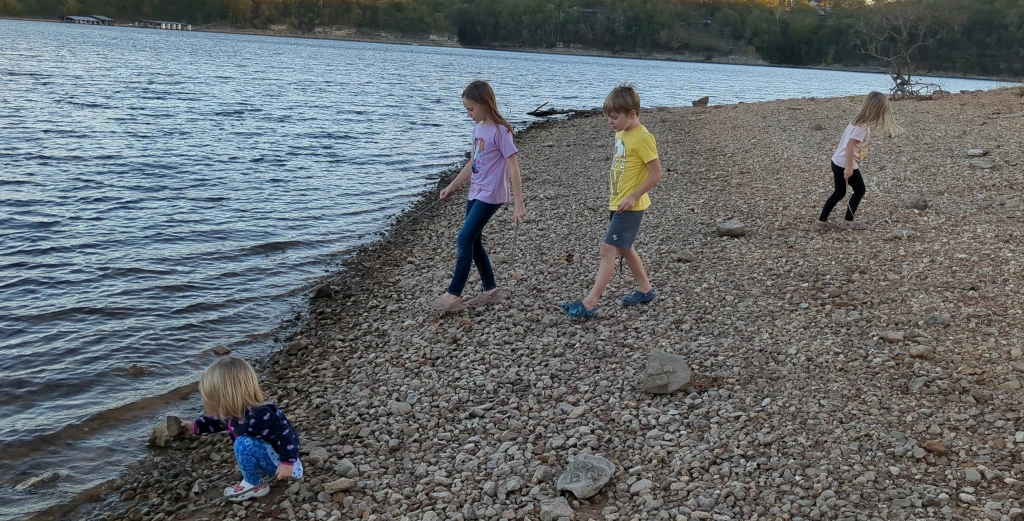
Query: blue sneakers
(578,310)
(639,297)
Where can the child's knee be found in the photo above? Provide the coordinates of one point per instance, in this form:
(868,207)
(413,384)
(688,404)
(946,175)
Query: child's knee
(244,444)
(465,242)
(607,250)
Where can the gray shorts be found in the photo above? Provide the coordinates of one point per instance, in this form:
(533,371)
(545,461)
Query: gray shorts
(623,228)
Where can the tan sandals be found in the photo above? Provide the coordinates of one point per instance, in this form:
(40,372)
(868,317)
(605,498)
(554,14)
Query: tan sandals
(442,305)
(485,299)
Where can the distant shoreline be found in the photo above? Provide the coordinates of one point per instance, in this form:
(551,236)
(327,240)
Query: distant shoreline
(366,36)
(733,59)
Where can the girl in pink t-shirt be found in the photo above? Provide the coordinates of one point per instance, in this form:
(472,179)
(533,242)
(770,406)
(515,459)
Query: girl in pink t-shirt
(492,167)
(875,114)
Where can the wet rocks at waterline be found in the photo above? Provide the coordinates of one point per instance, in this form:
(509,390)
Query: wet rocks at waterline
(167,432)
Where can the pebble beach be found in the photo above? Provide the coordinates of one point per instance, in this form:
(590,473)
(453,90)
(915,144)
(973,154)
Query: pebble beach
(846,375)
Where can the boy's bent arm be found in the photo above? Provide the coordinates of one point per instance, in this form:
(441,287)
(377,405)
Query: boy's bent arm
(653,177)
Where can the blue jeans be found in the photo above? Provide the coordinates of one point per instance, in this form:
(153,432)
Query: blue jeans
(471,247)
(256,458)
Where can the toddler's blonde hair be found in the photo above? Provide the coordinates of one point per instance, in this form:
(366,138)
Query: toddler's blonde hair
(229,387)
(876,114)
(622,100)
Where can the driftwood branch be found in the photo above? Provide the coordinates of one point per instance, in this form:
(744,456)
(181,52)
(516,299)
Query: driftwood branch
(541,112)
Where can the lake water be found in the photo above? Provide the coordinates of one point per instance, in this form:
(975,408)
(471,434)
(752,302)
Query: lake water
(164,192)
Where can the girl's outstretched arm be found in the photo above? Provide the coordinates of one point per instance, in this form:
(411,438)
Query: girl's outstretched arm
(464,175)
(204,425)
(519,213)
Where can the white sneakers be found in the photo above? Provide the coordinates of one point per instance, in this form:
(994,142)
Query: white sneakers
(244,490)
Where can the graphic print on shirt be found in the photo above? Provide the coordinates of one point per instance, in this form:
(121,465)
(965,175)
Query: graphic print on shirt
(618,166)
(478,151)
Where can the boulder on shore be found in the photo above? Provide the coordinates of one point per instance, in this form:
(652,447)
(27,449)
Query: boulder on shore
(323,291)
(586,475)
(731,228)
(167,432)
(665,373)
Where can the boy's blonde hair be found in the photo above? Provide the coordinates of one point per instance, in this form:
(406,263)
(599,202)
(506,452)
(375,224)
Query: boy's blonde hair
(876,114)
(622,100)
(229,387)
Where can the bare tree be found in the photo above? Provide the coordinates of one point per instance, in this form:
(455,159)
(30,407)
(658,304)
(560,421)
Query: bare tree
(894,30)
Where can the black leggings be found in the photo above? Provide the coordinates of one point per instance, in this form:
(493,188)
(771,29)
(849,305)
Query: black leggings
(856,182)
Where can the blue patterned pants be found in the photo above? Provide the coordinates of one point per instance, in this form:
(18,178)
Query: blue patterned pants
(256,458)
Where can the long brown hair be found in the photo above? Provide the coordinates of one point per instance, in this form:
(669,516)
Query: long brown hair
(877,114)
(480,92)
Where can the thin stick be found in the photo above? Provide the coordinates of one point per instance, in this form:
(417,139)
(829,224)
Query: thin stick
(515,250)
(1007,116)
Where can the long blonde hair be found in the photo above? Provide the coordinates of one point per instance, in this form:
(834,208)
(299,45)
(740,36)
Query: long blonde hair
(876,114)
(481,93)
(229,387)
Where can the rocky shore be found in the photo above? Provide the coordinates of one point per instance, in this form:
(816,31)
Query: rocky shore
(840,375)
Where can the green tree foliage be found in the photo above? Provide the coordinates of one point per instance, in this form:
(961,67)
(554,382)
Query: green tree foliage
(979,36)
(71,8)
(10,8)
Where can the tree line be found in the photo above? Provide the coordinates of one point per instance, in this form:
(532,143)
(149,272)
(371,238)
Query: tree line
(976,36)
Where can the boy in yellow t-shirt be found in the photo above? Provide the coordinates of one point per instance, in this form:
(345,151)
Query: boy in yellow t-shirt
(635,170)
